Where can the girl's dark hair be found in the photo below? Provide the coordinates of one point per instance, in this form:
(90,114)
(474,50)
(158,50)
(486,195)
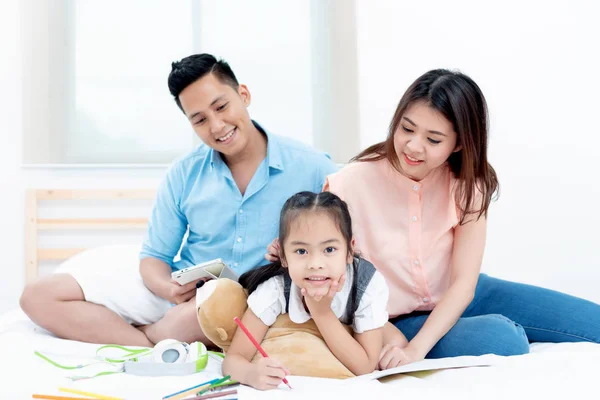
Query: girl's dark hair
(190,69)
(299,203)
(459,99)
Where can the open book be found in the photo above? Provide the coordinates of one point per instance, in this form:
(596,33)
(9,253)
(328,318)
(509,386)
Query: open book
(437,364)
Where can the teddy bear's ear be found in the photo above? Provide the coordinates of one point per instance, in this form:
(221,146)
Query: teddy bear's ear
(222,334)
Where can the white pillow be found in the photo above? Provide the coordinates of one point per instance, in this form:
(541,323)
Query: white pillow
(122,259)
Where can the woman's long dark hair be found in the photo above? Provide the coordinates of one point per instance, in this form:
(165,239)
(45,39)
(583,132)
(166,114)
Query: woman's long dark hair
(299,203)
(458,98)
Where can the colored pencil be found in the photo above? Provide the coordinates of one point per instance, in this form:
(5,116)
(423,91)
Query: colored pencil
(187,393)
(221,386)
(255,343)
(92,395)
(50,397)
(197,387)
(214,395)
(212,385)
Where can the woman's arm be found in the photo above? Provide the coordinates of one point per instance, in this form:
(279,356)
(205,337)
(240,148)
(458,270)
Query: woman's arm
(266,373)
(469,244)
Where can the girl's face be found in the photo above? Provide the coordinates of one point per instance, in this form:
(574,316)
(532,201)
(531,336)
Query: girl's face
(315,251)
(423,141)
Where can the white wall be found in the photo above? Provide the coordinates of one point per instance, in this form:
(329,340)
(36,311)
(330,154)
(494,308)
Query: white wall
(281,84)
(10,201)
(537,63)
(14,179)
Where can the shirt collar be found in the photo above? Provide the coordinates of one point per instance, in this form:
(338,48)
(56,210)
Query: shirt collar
(273,150)
(296,309)
(411,185)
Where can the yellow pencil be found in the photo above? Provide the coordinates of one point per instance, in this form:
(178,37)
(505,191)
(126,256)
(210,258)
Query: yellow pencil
(92,395)
(188,393)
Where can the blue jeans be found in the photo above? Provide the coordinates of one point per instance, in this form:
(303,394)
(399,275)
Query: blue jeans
(505,316)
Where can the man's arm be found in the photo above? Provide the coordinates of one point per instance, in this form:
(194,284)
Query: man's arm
(166,227)
(156,275)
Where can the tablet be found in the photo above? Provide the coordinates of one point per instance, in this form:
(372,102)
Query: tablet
(211,269)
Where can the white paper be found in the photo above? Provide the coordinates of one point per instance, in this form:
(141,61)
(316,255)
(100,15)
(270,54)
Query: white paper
(316,388)
(436,364)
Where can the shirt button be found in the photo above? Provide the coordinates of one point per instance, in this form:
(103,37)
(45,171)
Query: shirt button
(241,211)
(239,239)
(425,300)
(414,218)
(235,264)
(416,262)
(416,187)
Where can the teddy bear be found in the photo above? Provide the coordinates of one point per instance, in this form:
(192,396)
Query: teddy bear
(300,347)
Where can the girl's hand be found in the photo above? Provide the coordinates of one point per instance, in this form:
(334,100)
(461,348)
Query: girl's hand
(267,373)
(394,356)
(273,251)
(318,303)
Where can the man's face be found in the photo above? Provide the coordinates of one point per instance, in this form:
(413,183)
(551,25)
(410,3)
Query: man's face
(218,114)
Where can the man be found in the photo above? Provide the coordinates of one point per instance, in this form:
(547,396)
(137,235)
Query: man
(226,195)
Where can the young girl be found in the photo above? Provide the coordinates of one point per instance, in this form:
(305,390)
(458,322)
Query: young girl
(318,277)
(420,217)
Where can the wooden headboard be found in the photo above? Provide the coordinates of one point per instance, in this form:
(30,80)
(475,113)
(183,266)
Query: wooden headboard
(33,224)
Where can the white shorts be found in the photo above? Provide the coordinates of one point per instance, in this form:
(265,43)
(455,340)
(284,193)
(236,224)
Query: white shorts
(110,276)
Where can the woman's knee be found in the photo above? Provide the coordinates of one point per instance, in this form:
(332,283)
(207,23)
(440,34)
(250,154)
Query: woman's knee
(503,336)
(484,334)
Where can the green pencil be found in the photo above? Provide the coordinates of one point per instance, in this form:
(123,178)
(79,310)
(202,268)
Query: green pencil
(225,385)
(220,381)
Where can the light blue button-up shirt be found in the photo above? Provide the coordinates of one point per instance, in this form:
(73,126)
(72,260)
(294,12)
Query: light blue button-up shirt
(199,194)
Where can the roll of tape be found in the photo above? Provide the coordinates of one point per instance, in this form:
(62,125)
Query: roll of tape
(170,351)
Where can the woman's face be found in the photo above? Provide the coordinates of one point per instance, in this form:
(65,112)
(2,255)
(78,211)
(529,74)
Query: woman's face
(423,140)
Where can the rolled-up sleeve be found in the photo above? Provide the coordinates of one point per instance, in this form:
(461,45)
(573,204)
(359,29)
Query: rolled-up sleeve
(267,301)
(167,224)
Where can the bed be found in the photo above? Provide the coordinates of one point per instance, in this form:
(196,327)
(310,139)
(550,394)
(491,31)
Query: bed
(550,370)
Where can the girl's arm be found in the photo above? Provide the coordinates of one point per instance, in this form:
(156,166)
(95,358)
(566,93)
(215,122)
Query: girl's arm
(359,353)
(392,336)
(266,373)
(469,243)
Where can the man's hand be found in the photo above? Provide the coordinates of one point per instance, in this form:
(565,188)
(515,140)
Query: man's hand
(273,251)
(177,294)
(319,303)
(392,356)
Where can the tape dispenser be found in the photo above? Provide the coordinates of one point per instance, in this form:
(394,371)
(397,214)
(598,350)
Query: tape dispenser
(169,357)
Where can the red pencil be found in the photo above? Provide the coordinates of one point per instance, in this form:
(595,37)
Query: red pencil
(255,343)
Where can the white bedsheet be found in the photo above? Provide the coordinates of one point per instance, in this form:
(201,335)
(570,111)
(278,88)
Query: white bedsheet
(550,370)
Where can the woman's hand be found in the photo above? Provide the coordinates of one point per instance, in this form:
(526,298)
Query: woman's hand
(393,356)
(273,251)
(267,373)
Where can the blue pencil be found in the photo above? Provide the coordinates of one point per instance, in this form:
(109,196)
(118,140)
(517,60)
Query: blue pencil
(193,387)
